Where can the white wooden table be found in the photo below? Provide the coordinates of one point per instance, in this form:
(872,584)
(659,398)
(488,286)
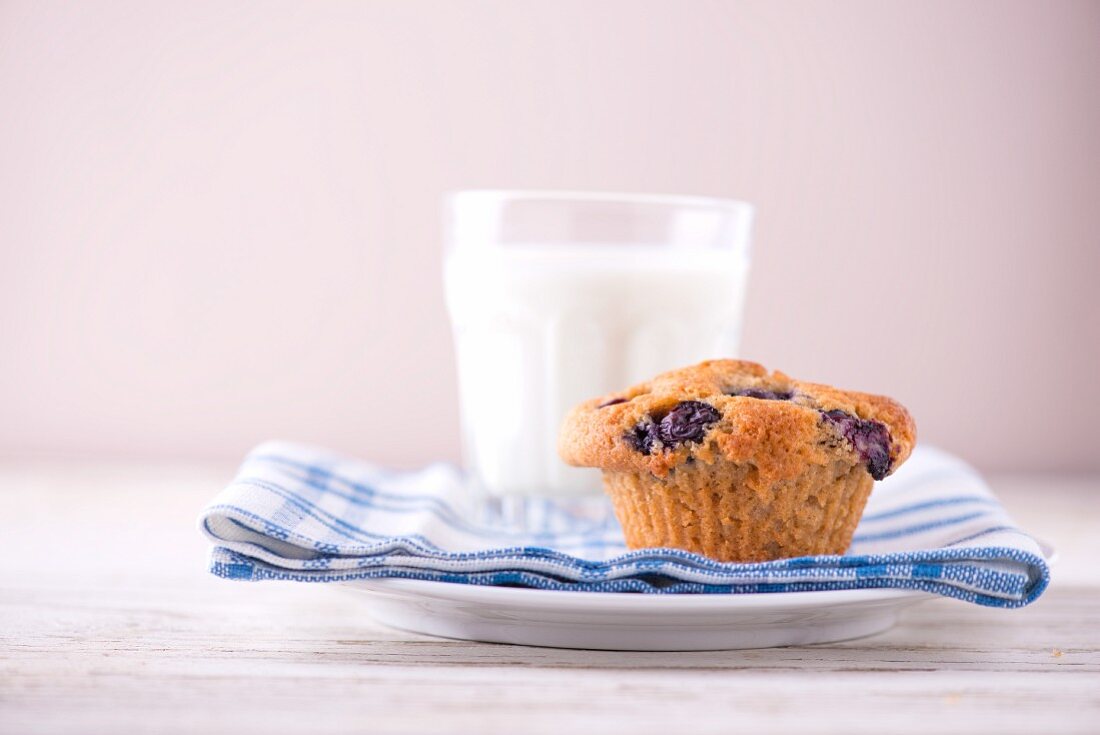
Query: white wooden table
(109,623)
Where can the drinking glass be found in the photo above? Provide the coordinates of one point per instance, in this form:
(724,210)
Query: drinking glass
(557,297)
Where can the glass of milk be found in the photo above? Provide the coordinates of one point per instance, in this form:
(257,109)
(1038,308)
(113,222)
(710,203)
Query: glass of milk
(557,297)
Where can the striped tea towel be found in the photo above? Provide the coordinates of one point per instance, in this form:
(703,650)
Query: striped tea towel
(299,513)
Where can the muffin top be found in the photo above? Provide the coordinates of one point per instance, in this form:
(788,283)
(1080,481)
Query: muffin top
(737,411)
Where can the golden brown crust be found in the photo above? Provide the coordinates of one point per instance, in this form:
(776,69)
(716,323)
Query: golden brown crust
(779,438)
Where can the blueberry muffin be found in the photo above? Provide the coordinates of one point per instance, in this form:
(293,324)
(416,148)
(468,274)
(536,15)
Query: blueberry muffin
(730,461)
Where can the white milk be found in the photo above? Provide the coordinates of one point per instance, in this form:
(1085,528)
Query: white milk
(540,328)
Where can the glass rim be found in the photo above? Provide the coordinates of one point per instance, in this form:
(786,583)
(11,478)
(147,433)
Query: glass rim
(499,196)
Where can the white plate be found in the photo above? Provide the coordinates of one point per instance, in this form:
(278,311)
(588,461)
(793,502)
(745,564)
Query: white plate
(631,622)
(634,622)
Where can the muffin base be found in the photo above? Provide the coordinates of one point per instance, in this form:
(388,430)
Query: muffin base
(723,510)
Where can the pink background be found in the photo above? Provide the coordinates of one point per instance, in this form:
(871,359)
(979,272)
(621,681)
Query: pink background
(219,221)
